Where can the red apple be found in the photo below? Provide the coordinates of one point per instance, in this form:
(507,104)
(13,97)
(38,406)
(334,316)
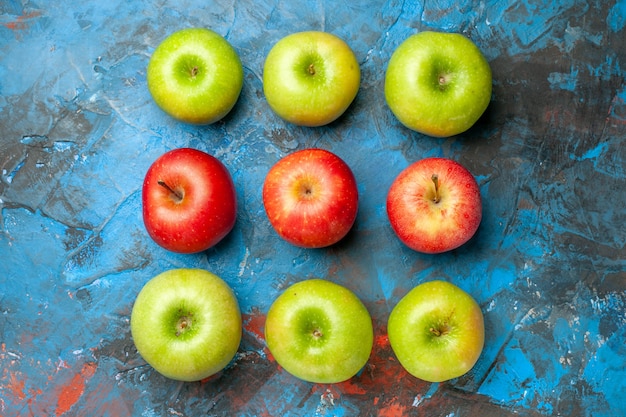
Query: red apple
(189,201)
(311,198)
(434,205)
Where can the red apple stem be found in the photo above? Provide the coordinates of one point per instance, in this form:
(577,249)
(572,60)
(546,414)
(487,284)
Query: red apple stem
(435,179)
(176,194)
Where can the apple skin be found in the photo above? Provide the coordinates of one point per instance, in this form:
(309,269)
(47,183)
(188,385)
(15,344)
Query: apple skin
(186,324)
(430,226)
(311,198)
(195,76)
(436,331)
(310,78)
(204,215)
(319,331)
(438,84)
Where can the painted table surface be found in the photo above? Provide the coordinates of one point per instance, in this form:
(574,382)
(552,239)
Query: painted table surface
(79,130)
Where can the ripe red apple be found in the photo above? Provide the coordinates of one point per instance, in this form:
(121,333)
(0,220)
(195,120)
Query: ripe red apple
(189,201)
(434,205)
(311,198)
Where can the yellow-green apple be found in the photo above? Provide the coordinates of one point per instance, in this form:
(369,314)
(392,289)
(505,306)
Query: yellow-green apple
(434,205)
(186,324)
(438,83)
(189,201)
(436,331)
(311,198)
(310,78)
(195,76)
(319,331)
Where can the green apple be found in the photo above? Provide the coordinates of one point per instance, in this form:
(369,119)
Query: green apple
(310,78)
(436,331)
(438,84)
(319,331)
(186,324)
(195,76)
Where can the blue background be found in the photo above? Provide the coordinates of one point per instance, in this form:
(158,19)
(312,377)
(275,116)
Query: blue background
(78,131)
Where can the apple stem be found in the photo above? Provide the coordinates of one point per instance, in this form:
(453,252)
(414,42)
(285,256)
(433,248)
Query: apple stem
(194,71)
(176,194)
(439,331)
(435,179)
(312,69)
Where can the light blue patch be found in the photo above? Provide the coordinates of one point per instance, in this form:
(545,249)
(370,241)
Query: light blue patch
(616,19)
(564,81)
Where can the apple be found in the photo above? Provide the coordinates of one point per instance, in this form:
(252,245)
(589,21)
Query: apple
(195,76)
(189,201)
(438,84)
(186,324)
(436,331)
(311,198)
(319,331)
(310,78)
(434,205)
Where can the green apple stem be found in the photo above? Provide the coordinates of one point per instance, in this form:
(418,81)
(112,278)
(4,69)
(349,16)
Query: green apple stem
(176,196)
(194,71)
(312,69)
(435,179)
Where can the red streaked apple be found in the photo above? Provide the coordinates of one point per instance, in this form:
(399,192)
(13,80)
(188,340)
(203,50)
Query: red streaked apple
(195,76)
(311,198)
(436,331)
(186,324)
(189,201)
(319,331)
(434,205)
(310,78)
(438,83)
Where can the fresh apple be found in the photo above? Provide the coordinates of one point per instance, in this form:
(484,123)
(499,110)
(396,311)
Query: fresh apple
(195,76)
(438,83)
(189,201)
(311,198)
(186,324)
(434,205)
(310,78)
(319,331)
(436,331)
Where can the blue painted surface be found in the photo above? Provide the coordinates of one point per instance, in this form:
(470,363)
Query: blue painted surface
(78,130)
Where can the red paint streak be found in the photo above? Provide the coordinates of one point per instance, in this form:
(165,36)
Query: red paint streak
(255,325)
(72,392)
(21,22)
(392,410)
(16,387)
